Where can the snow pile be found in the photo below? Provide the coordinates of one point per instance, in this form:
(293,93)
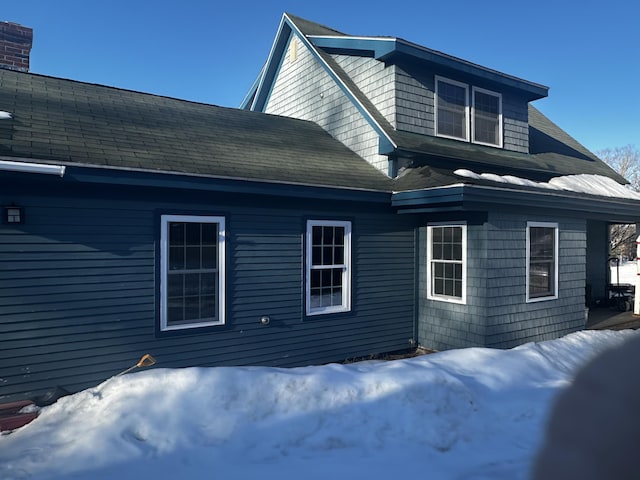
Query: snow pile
(470,413)
(583,183)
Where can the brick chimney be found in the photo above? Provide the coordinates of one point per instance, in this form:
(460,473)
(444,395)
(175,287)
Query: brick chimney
(15,46)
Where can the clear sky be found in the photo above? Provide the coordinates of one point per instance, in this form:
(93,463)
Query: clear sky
(586,51)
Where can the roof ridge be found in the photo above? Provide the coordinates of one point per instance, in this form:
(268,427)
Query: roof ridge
(299,20)
(112,87)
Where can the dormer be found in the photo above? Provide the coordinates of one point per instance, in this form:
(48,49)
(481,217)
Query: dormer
(438,94)
(382,96)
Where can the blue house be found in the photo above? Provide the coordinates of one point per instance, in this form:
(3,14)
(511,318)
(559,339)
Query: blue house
(371,196)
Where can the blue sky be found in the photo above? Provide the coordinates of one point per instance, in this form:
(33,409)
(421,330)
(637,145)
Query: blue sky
(587,52)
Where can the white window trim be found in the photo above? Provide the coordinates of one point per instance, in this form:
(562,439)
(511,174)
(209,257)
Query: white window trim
(444,298)
(473,116)
(346,274)
(165,219)
(556,251)
(439,79)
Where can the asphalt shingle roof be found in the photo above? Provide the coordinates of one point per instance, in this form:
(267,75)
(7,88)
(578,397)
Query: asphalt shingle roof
(552,151)
(69,122)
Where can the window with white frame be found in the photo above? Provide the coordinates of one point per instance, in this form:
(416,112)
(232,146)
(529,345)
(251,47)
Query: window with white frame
(542,261)
(452,109)
(446,262)
(328,267)
(486,117)
(482,123)
(192,271)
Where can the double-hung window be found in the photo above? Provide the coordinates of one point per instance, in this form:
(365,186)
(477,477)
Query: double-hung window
(482,123)
(446,262)
(542,261)
(328,267)
(452,109)
(192,271)
(486,117)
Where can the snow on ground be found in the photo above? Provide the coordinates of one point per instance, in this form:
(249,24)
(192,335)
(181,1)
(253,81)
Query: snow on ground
(473,413)
(627,271)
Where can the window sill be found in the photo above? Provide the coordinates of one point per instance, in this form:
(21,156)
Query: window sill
(541,299)
(458,301)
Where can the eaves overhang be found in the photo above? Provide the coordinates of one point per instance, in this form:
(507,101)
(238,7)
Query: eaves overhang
(389,49)
(467,197)
(120,176)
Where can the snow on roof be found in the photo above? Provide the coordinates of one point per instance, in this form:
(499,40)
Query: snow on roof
(584,183)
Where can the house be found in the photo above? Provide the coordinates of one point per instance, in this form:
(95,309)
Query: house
(371,195)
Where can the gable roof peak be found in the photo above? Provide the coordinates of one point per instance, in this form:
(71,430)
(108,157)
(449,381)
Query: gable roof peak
(309,28)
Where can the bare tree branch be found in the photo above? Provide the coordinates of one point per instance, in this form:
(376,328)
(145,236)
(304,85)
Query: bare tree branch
(626,161)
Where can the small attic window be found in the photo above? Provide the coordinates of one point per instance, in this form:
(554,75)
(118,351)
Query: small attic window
(293,50)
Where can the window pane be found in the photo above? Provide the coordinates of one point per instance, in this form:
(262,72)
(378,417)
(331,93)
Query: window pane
(540,279)
(192,233)
(327,235)
(316,235)
(208,307)
(315,278)
(438,286)
(337,277)
(456,253)
(208,283)
(336,296)
(192,284)
(327,256)
(176,258)
(175,285)
(209,234)
(447,251)
(316,255)
(175,312)
(325,278)
(452,101)
(542,240)
(457,288)
(192,260)
(176,233)
(314,299)
(192,308)
(209,257)
(486,118)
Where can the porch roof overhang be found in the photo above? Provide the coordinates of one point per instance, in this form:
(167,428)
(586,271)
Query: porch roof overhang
(468,197)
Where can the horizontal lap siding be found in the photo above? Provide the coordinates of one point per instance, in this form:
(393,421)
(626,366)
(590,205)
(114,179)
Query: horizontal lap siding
(78,291)
(74,280)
